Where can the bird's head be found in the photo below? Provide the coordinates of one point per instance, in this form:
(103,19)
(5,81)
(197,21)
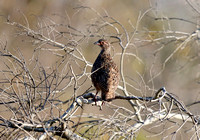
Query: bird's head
(102,43)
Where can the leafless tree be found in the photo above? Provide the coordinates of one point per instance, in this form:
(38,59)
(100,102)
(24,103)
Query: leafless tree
(48,94)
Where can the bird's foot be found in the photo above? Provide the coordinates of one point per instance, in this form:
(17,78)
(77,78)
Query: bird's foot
(97,102)
(103,103)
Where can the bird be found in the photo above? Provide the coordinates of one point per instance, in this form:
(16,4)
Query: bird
(105,73)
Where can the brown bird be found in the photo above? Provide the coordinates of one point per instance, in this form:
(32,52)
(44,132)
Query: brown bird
(105,74)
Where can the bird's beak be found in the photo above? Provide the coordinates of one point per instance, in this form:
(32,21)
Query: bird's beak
(96,43)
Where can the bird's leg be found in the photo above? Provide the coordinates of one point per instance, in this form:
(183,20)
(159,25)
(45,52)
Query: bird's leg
(103,102)
(95,98)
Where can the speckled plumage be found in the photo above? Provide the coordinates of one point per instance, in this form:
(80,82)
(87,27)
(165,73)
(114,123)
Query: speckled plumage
(105,74)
